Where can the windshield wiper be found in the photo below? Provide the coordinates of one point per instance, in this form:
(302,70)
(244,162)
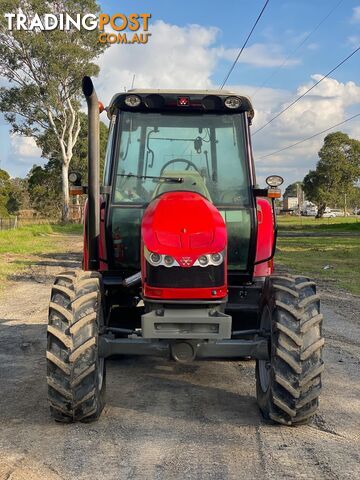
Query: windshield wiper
(164,179)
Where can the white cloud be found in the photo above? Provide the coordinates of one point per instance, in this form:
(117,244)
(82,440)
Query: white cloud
(260,55)
(356,14)
(24,147)
(328,104)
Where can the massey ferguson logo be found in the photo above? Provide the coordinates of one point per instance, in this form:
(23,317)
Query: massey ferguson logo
(185,261)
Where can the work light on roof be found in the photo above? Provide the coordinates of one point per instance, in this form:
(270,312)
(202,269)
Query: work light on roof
(232,102)
(132,100)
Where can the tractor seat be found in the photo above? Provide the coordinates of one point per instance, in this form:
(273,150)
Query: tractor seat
(193,182)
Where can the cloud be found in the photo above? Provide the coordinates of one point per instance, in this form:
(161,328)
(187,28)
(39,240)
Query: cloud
(21,155)
(263,55)
(329,103)
(356,14)
(24,148)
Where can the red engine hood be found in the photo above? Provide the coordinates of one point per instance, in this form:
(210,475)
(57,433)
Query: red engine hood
(183,224)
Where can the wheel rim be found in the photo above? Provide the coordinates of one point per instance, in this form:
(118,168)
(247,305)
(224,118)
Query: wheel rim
(264,374)
(264,365)
(101,365)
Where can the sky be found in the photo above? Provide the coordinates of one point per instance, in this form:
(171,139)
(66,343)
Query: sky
(193,45)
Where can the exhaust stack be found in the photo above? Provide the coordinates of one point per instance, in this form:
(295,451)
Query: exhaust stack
(93,206)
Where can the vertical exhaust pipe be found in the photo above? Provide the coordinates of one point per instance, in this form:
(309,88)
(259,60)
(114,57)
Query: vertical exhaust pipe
(93,205)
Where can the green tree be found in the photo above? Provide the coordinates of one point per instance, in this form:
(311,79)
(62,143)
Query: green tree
(293,189)
(44,186)
(19,196)
(336,173)
(4,192)
(44,70)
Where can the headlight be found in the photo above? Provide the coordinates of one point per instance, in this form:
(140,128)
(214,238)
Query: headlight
(132,100)
(154,259)
(232,102)
(214,259)
(203,260)
(158,259)
(217,258)
(168,260)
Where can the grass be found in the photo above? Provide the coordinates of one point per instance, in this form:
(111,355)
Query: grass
(309,255)
(338,224)
(16,246)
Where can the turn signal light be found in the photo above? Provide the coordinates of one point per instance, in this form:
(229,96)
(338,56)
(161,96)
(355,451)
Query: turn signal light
(274,193)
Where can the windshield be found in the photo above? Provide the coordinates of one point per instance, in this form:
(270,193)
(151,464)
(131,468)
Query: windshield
(204,153)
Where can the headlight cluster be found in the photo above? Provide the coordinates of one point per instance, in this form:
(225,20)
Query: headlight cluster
(156,260)
(214,259)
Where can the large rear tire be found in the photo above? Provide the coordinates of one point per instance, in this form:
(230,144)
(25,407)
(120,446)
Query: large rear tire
(76,376)
(288,386)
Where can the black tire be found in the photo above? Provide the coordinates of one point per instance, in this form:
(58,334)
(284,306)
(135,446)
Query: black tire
(76,376)
(288,386)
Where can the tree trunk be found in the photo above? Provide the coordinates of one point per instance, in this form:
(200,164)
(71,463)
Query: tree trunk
(65,190)
(321,210)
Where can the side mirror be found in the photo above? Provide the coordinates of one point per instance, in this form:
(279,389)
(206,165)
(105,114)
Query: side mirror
(75,184)
(274,181)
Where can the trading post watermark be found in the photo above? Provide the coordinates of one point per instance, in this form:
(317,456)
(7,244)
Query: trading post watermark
(117,28)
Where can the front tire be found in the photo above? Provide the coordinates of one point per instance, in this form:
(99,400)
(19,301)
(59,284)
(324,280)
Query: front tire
(288,386)
(76,376)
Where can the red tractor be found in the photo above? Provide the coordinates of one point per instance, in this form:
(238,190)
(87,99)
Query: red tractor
(178,258)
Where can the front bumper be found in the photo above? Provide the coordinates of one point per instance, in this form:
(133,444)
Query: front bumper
(186,323)
(235,348)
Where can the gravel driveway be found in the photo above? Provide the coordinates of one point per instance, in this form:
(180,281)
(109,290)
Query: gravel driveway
(169,421)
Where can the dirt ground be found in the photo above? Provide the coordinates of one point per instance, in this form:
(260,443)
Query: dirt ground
(169,421)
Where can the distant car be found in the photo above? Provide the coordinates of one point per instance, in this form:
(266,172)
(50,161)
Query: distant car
(310,212)
(340,213)
(329,215)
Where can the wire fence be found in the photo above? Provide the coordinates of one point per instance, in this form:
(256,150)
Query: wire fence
(8,223)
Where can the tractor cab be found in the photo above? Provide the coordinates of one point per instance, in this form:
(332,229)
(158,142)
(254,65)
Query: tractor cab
(179,141)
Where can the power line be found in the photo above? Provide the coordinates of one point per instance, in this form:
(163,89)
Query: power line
(242,48)
(307,91)
(276,70)
(309,138)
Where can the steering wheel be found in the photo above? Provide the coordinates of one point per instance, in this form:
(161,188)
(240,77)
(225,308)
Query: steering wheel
(175,160)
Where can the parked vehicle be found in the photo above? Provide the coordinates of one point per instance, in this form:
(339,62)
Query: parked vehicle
(310,211)
(340,212)
(329,214)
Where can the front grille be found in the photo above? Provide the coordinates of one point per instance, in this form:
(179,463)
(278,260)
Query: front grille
(178,277)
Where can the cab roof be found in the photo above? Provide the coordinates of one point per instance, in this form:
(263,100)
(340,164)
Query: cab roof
(167,99)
